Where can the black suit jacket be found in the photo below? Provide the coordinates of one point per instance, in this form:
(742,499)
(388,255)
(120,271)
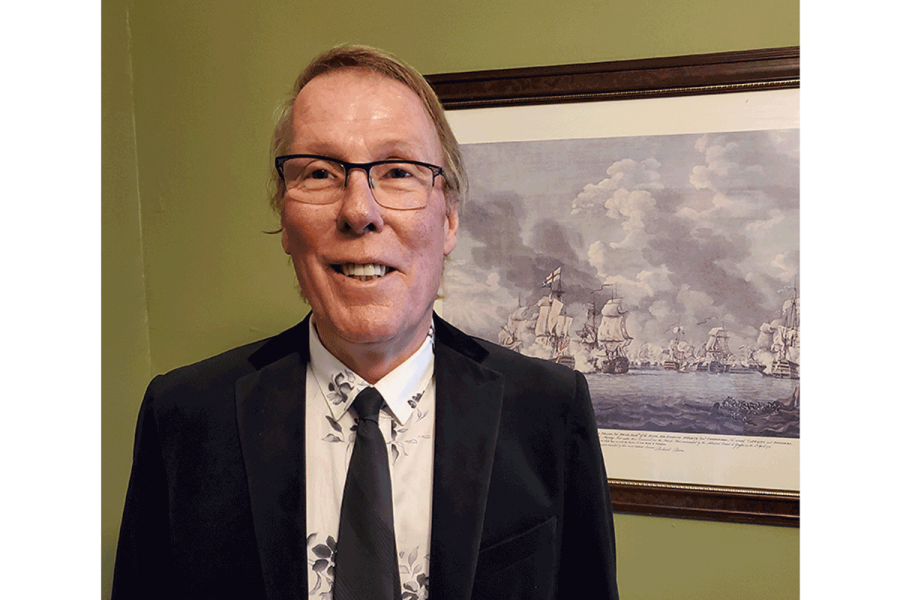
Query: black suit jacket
(216,501)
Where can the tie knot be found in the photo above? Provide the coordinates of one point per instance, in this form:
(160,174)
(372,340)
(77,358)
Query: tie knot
(367,404)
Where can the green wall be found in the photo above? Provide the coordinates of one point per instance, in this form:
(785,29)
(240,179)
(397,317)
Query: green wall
(189,90)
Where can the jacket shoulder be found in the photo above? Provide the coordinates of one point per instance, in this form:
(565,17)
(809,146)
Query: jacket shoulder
(219,373)
(536,374)
(519,370)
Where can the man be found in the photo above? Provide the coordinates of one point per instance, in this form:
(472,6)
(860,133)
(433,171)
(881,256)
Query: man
(493,477)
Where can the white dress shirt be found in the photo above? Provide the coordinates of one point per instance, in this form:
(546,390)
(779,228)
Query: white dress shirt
(407,424)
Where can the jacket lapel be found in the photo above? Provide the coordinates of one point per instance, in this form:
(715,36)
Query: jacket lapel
(270,414)
(467,417)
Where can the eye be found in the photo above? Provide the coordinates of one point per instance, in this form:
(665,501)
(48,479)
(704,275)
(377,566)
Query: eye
(401,173)
(398,172)
(319,175)
(321,170)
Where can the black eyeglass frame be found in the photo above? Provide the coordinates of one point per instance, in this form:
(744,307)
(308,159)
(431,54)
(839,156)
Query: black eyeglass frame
(349,166)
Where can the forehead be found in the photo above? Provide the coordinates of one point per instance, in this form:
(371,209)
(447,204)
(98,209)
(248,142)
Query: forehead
(353,106)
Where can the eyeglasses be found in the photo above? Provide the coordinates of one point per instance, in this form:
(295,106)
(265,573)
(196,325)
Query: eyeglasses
(395,183)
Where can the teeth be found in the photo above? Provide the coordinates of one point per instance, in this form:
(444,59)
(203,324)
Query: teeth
(369,270)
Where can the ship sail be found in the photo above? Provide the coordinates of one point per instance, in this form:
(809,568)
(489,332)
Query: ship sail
(613,337)
(611,333)
(786,341)
(679,351)
(717,345)
(717,355)
(588,332)
(540,326)
(552,325)
(562,326)
(511,335)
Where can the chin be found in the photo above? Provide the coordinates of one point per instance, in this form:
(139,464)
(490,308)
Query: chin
(378,325)
(355,322)
(365,332)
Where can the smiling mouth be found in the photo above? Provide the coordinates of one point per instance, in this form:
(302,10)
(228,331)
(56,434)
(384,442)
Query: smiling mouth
(366,272)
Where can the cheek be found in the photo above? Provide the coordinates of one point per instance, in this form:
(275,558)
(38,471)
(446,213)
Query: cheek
(299,231)
(295,241)
(430,242)
(432,253)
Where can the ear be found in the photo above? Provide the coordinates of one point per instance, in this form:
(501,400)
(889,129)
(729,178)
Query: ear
(451,228)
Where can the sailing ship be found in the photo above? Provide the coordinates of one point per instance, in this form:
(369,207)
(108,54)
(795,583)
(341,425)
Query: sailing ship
(512,334)
(551,329)
(717,352)
(786,341)
(679,352)
(612,337)
(778,346)
(588,333)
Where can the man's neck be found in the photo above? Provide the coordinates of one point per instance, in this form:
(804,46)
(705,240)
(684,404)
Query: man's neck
(372,361)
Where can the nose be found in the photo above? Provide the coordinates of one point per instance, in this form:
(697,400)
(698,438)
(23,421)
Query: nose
(359,211)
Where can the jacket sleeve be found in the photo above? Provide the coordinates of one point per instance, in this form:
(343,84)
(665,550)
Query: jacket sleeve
(588,552)
(144,566)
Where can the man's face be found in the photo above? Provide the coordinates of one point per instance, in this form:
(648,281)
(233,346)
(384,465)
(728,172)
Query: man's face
(358,116)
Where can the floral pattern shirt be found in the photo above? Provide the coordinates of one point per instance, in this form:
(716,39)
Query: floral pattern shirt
(407,424)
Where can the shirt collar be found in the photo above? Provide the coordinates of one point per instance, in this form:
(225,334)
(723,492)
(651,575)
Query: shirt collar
(401,388)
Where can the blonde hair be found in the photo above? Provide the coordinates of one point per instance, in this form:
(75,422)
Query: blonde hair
(455,183)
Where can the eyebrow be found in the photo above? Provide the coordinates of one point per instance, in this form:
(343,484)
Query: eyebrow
(391,148)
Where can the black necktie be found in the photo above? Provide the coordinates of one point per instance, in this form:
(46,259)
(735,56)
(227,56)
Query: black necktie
(366,557)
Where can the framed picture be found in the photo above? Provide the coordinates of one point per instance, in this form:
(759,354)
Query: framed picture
(639,222)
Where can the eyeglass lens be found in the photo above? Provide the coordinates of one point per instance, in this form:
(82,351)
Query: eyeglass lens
(398,185)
